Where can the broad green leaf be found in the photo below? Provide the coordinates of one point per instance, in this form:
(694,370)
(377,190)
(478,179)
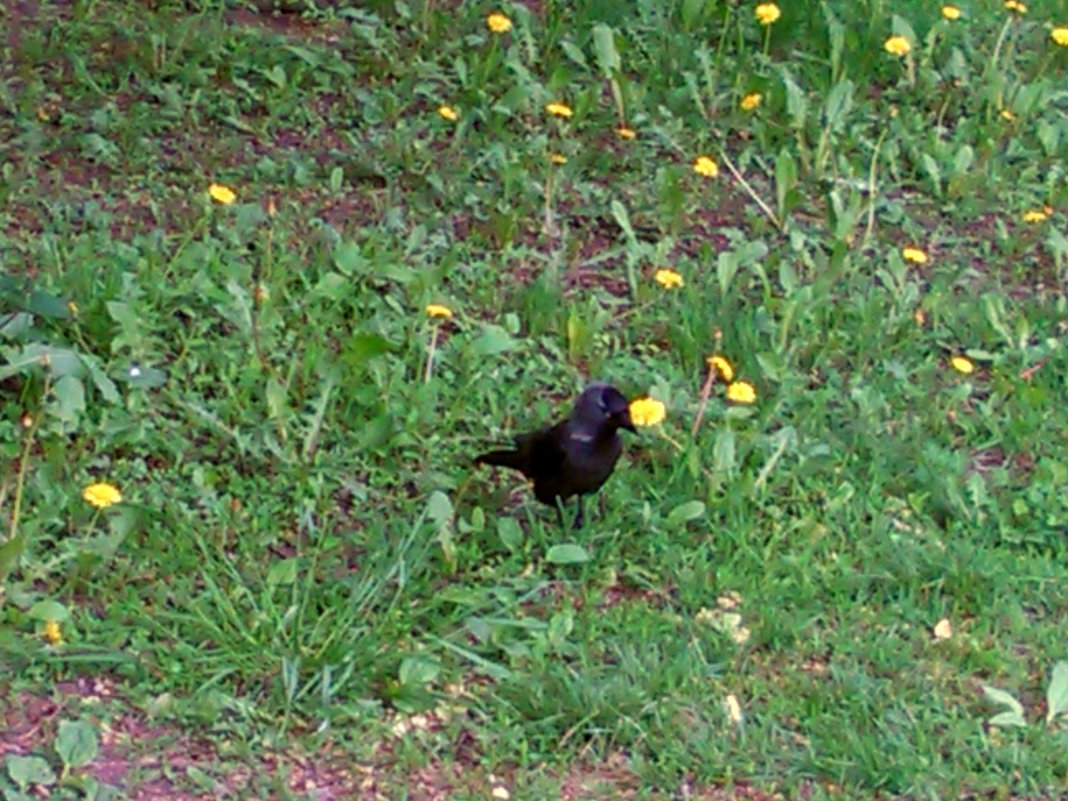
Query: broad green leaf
(276,75)
(510,533)
(901,27)
(48,305)
(13,325)
(418,670)
(567,553)
(26,771)
(1008,719)
(129,321)
(104,385)
(49,610)
(333,286)
(619,211)
(785,181)
(145,377)
(1057,692)
(796,105)
(396,271)
(604,47)
(440,511)
(60,361)
(283,572)
(839,102)
(69,392)
(477,522)
(439,508)
(1014,716)
(723,452)
(930,166)
(362,348)
(836,35)
(964,159)
(376,432)
(684,513)
(691,13)
(349,258)
(560,627)
(493,340)
(275,395)
(76,743)
(10,551)
(573,52)
(726,267)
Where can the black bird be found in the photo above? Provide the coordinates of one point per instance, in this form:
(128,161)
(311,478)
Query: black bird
(575,456)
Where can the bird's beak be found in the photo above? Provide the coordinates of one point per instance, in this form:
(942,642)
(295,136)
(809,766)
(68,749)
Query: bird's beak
(625,422)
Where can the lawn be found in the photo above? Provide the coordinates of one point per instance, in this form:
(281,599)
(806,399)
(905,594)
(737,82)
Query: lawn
(272,277)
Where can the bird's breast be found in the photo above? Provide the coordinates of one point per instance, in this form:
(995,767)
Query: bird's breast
(591,462)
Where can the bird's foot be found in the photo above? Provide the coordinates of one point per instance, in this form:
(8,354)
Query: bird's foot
(580,518)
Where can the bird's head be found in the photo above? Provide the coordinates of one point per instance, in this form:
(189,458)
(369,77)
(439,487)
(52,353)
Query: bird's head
(602,407)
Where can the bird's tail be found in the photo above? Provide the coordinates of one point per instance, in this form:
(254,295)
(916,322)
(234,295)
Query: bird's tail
(511,459)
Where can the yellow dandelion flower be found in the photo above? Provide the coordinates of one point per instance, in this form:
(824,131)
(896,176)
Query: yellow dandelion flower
(448,113)
(498,23)
(72,307)
(915,255)
(1016,6)
(51,632)
(920,317)
(668,278)
(962,364)
(626,133)
(897,46)
(950,12)
(437,310)
(647,412)
(558,158)
(706,166)
(767,13)
(222,194)
(741,392)
(1060,36)
(102,495)
(1007,115)
(560,110)
(751,101)
(1035,215)
(724,369)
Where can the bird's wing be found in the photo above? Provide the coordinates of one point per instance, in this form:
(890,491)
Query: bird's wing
(543,451)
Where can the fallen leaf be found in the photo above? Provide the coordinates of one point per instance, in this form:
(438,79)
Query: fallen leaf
(733,708)
(943,629)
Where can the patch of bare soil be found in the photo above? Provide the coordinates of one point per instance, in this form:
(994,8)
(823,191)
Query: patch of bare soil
(149,761)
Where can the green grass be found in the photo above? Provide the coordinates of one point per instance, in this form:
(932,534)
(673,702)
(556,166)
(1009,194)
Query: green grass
(303,559)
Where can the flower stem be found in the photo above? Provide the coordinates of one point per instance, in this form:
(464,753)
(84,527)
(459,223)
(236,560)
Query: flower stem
(750,191)
(14,546)
(428,374)
(706,391)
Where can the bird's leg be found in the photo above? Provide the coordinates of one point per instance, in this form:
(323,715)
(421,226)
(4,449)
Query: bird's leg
(560,510)
(578,515)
